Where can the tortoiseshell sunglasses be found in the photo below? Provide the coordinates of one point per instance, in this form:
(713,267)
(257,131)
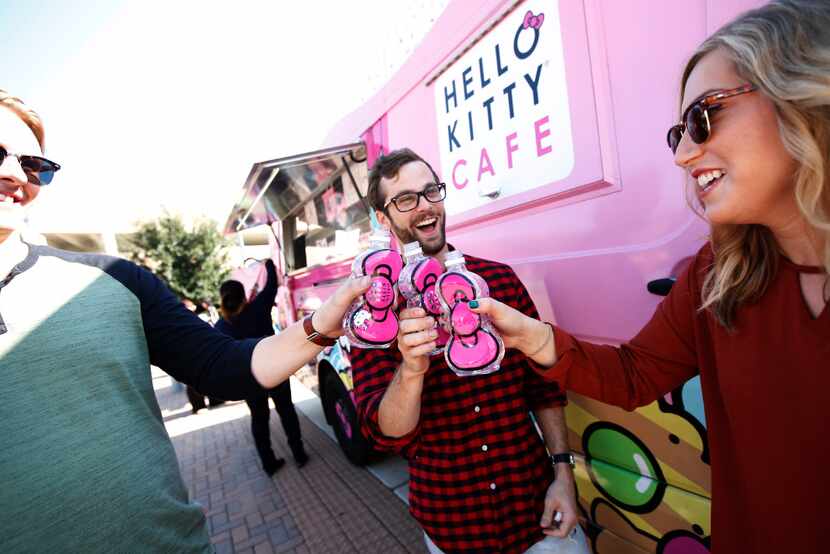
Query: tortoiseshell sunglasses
(695,119)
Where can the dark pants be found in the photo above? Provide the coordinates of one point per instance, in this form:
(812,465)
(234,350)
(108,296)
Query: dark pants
(197,399)
(260,414)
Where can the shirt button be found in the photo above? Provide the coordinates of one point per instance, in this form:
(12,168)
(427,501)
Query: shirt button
(492,486)
(477,409)
(484,447)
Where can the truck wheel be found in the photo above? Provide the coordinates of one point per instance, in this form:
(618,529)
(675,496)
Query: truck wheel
(338,402)
(325,372)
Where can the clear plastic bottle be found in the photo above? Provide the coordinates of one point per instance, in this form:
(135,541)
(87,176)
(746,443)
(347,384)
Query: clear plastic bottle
(371,321)
(474,347)
(417,284)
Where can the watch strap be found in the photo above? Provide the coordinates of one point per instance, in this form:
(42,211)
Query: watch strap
(563,458)
(313,335)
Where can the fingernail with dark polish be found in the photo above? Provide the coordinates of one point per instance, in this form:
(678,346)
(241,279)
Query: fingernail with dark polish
(474,304)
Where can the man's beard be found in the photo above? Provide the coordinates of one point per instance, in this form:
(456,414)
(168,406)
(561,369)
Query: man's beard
(405,236)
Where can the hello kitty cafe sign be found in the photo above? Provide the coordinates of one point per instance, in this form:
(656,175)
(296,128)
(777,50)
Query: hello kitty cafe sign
(503,120)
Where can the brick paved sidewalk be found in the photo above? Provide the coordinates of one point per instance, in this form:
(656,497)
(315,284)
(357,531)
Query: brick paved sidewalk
(329,506)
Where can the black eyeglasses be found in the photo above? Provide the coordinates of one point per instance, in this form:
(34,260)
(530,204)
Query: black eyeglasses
(695,119)
(39,171)
(408,201)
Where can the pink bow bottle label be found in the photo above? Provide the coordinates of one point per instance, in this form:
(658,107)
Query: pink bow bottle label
(474,347)
(417,285)
(371,322)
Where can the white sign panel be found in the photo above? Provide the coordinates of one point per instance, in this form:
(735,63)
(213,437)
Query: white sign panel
(504,125)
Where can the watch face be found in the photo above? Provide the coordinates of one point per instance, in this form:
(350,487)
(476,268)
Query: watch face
(564,459)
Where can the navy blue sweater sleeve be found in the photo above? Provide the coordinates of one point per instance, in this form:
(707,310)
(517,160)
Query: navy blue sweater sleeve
(185,346)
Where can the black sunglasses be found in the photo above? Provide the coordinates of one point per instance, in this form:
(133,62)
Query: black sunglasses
(408,201)
(39,171)
(695,120)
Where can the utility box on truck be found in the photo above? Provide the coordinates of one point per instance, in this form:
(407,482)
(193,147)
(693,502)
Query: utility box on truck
(547,121)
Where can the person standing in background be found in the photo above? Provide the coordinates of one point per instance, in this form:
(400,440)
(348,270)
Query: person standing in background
(242,319)
(197,399)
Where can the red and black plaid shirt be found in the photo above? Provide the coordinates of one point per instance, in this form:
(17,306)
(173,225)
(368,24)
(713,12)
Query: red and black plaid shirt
(478,470)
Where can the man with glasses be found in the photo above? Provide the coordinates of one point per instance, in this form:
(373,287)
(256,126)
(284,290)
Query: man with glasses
(85,462)
(480,477)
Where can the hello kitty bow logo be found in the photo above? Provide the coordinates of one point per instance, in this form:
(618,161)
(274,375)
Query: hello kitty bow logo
(533,21)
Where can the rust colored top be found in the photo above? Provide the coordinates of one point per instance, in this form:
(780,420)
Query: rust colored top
(765,388)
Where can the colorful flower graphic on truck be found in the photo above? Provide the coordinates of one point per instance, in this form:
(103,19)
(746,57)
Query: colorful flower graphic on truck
(645,480)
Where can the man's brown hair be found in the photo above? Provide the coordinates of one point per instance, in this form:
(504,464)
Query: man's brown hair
(387,167)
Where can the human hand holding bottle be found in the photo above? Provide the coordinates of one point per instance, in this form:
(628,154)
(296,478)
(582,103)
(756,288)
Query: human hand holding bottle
(328,318)
(275,358)
(532,337)
(400,407)
(417,337)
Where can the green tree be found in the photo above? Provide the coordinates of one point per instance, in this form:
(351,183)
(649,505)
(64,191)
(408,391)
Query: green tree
(193,262)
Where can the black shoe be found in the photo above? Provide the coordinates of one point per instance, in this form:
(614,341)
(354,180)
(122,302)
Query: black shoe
(274,467)
(300,456)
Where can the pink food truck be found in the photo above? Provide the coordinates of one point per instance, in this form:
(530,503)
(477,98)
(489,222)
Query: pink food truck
(547,121)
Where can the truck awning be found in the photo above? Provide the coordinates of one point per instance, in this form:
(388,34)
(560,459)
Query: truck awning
(276,189)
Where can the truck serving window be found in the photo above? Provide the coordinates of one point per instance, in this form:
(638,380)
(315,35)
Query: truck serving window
(316,199)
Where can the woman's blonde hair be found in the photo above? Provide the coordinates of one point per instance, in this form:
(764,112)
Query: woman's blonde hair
(783,48)
(27,114)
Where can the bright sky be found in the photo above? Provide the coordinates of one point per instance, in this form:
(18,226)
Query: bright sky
(153,105)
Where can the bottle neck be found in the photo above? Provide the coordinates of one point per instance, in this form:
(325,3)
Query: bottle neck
(413,256)
(453,258)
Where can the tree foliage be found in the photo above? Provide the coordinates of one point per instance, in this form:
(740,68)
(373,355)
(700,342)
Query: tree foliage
(193,262)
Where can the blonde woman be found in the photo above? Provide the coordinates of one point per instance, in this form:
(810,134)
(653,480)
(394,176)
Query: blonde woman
(750,314)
